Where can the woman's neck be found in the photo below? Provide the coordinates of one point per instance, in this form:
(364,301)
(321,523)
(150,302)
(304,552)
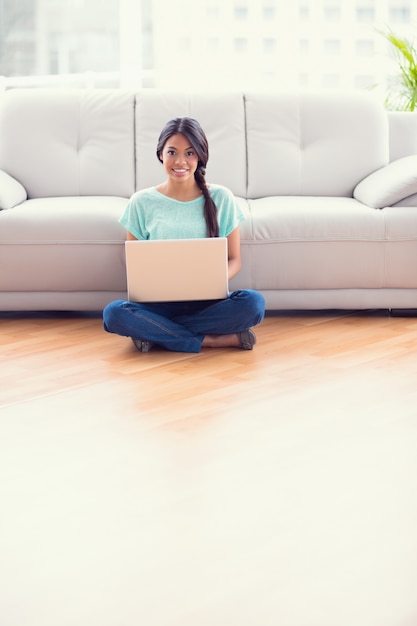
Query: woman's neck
(183,193)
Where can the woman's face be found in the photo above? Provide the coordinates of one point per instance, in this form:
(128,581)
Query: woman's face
(179,158)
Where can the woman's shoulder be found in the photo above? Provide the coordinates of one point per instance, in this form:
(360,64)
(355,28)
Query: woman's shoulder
(143,194)
(219,191)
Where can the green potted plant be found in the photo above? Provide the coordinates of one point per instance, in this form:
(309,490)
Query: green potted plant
(402,87)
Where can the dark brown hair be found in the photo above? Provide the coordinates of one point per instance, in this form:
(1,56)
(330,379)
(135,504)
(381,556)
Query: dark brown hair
(192,130)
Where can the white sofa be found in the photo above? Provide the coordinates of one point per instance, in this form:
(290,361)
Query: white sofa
(328,182)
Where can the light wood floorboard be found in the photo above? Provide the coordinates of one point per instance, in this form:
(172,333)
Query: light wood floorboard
(273,487)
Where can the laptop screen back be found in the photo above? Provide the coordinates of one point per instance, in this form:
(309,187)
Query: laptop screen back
(170,270)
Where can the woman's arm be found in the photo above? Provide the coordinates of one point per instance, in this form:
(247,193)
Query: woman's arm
(233,245)
(130,237)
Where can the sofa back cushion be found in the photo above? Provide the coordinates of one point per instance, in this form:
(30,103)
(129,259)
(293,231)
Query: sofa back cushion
(402,134)
(59,142)
(222,118)
(313,144)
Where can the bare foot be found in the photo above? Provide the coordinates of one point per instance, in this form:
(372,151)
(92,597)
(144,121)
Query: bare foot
(220,341)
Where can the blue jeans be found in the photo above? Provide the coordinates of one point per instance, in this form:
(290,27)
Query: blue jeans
(182,326)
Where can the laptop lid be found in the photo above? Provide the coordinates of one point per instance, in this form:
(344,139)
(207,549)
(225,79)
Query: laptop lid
(170,270)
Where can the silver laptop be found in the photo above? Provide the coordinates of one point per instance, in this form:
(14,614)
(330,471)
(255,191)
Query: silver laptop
(171,270)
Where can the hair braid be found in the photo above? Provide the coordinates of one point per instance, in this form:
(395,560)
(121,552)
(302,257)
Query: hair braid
(210,209)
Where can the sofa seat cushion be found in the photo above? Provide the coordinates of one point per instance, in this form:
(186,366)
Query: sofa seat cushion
(301,218)
(63,244)
(401,248)
(324,243)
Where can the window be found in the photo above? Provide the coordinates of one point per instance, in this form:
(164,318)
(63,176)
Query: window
(131,43)
(365,15)
(399,14)
(332,11)
(240,44)
(212,12)
(269,45)
(364,47)
(57,36)
(269,13)
(332,14)
(332,47)
(365,11)
(213,44)
(241,12)
(304,10)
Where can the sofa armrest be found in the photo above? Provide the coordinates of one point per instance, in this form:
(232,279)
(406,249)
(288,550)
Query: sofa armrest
(390,184)
(11,191)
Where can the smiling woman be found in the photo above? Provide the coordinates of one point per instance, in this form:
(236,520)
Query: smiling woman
(183,150)
(180,163)
(185,207)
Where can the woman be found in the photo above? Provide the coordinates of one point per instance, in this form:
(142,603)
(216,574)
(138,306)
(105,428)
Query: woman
(183,207)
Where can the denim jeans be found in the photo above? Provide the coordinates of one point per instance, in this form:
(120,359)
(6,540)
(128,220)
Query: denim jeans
(181,326)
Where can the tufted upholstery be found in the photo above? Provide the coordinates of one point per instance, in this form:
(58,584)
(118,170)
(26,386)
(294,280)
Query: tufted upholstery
(298,164)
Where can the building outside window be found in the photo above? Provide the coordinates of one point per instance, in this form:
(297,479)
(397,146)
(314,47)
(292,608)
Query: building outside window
(241,12)
(56,37)
(332,47)
(304,10)
(399,11)
(269,12)
(269,45)
(365,47)
(365,11)
(216,44)
(332,12)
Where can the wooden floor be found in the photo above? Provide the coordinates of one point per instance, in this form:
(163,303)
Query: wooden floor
(276,487)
